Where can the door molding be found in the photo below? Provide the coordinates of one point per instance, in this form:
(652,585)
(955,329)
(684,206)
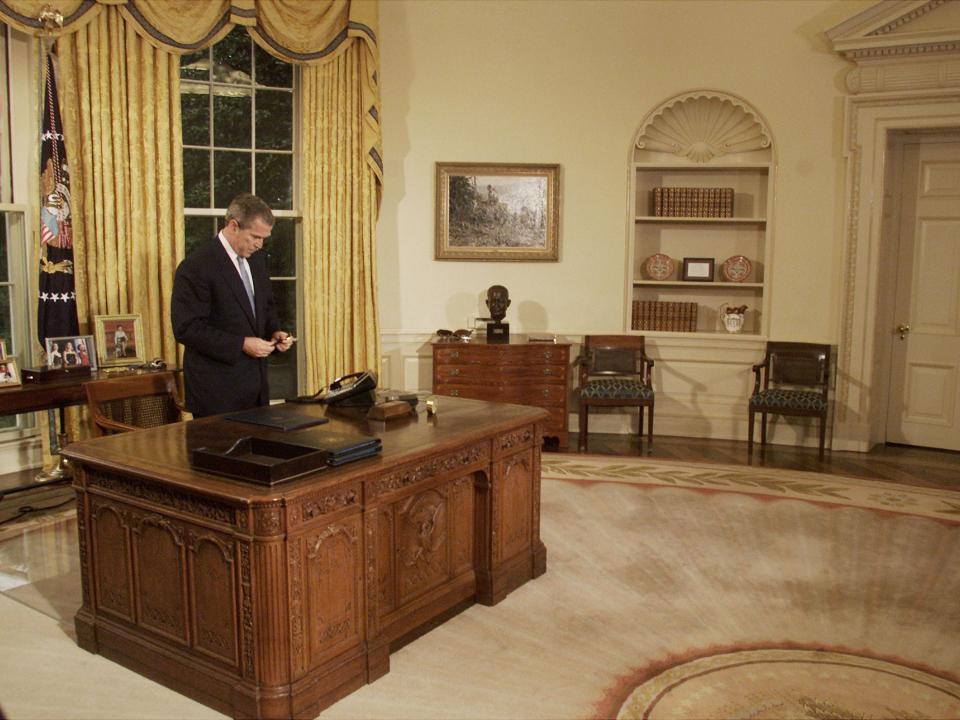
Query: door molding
(894,48)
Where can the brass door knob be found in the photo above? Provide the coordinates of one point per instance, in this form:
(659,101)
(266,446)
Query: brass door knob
(903,329)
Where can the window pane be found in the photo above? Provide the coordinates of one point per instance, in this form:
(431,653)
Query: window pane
(275,180)
(4,269)
(195,66)
(285,299)
(271,71)
(5,312)
(196,178)
(231,176)
(231,117)
(274,120)
(198,230)
(231,58)
(282,374)
(195,113)
(281,249)
(283,366)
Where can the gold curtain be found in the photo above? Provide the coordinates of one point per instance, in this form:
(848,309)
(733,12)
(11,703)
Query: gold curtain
(121,100)
(109,48)
(341,201)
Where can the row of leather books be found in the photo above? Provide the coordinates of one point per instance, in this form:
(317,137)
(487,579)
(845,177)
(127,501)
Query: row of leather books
(707,202)
(664,315)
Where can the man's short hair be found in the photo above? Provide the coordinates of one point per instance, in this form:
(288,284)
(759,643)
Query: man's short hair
(245,208)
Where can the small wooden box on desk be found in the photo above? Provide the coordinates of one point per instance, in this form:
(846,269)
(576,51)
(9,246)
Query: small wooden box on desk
(520,372)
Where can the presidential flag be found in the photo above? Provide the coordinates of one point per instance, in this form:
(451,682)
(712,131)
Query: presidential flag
(57,306)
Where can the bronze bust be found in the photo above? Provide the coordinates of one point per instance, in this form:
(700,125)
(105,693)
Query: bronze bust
(498,300)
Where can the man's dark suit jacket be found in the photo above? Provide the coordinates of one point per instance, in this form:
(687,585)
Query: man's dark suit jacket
(211,317)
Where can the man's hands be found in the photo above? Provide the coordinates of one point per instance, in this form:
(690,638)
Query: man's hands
(283,341)
(259,348)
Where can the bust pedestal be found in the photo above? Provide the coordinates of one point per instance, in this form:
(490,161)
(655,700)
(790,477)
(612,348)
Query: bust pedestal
(498,333)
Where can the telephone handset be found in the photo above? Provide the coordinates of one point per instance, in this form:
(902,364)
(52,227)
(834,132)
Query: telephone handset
(353,386)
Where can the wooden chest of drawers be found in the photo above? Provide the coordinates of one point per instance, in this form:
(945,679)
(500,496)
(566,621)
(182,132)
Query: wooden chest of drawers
(522,373)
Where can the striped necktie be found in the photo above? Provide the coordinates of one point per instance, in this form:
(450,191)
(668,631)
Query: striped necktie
(247,283)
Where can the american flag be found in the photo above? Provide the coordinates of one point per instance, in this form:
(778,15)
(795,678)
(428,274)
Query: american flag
(57,299)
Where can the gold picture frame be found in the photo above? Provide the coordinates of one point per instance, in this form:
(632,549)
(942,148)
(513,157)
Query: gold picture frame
(9,372)
(120,340)
(497,211)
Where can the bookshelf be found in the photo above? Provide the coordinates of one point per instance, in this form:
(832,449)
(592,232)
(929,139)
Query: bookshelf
(702,140)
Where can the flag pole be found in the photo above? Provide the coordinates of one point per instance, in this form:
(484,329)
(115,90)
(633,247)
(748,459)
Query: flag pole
(51,19)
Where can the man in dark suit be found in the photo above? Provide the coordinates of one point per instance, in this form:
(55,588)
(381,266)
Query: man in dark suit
(223,313)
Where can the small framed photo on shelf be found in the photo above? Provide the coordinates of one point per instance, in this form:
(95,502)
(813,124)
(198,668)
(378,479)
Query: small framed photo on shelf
(9,373)
(697,269)
(3,349)
(70,351)
(119,339)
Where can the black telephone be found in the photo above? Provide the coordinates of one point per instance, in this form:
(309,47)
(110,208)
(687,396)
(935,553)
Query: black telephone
(354,389)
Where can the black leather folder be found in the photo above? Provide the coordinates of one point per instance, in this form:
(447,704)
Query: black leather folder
(279,417)
(342,448)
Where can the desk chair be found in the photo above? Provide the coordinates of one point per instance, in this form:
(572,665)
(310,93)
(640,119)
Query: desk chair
(131,403)
(795,379)
(615,371)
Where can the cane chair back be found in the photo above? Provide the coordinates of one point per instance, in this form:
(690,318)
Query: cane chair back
(135,402)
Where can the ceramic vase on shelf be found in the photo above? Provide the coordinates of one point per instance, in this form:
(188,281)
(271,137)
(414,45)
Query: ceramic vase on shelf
(731,317)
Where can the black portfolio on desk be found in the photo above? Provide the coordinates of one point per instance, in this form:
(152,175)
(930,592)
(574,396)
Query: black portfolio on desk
(341,448)
(280,417)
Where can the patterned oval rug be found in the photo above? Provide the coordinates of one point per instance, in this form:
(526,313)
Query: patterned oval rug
(795,684)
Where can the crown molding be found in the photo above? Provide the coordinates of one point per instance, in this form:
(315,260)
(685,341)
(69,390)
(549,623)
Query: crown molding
(896,51)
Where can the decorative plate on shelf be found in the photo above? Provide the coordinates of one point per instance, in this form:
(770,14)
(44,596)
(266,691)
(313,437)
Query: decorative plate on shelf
(736,269)
(659,267)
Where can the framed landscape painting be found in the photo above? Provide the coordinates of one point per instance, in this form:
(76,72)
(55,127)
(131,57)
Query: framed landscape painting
(497,211)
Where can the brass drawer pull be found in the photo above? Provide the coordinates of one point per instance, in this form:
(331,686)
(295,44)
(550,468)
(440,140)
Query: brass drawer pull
(455,354)
(547,355)
(547,371)
(546,392)
(455,371)
(455,393)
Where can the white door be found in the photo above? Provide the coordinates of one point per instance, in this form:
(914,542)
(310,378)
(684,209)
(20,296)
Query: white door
(924,402)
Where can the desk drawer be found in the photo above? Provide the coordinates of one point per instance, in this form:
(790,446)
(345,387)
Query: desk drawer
(504,375)
(547,396)
(500,355)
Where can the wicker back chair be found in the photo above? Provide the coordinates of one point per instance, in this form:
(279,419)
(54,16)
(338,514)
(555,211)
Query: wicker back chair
(135,402)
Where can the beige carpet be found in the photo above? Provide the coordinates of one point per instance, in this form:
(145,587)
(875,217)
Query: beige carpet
(672,591)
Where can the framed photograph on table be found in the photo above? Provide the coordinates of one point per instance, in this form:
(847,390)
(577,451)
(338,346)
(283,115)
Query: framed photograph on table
(71,351)
(697,269)
(497,211)
(9,373)
(120,339)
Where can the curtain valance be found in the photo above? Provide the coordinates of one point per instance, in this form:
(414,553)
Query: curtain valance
(297,31)
(306,32)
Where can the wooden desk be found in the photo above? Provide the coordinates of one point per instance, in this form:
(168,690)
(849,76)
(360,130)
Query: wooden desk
(519,372)
(274,602)
(30,397)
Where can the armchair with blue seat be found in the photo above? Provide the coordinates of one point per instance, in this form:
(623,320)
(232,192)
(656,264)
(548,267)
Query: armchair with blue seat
(795,380)
(615,371)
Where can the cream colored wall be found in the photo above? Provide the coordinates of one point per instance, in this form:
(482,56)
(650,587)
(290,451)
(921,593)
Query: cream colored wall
(568,83)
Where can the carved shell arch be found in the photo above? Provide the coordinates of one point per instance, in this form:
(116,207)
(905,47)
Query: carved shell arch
(701,125)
